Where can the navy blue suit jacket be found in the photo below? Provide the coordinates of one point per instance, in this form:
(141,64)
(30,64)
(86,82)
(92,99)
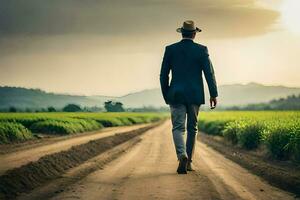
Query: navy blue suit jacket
(186,60)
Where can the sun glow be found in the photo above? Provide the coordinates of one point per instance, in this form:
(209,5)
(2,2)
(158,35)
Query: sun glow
(290,11)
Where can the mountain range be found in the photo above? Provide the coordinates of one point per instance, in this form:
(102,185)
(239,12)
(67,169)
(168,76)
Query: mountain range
(229,95)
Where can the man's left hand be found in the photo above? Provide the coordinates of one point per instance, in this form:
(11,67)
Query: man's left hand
(213,102)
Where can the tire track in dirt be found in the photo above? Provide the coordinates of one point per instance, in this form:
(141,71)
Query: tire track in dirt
(24,156)
(51,167)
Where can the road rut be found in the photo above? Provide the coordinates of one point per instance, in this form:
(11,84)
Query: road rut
(33,153)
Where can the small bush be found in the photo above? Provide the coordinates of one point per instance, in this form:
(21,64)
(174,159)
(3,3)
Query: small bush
(212,127)
(11,132)
(277,139)
(230,132)
(136,120)
(110,122)
(72,108)
(12,109)
(27,122)
(51,109)
(66,126)
(249,134)
(125,121)
(294,144)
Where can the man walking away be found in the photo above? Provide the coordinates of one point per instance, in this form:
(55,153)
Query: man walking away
(186,60)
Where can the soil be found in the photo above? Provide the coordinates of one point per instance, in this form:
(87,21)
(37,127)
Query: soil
(283,174)
(17,155)
(49,167)
(148,171)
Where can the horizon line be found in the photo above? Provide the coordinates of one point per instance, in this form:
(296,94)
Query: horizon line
(132,92)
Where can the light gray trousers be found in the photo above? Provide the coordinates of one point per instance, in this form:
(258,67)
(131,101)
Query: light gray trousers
(183,116)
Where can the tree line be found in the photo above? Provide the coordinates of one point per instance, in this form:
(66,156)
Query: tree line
(291,102)
(109,106)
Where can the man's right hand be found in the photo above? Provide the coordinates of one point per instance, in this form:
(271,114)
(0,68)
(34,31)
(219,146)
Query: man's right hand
(213,102)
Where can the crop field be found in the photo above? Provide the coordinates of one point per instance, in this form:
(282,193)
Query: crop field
(23,126)
(278,131)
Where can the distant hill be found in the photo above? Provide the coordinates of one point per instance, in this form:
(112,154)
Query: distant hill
(239,94)
(289,103)
(34,98)
(229,95)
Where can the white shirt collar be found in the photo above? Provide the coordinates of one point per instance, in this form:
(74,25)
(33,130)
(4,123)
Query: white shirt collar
(187,38)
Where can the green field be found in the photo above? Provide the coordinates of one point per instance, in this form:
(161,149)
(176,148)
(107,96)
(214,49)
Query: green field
(23,126)
(278,131)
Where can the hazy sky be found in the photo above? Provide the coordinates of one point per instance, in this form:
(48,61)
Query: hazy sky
(113,47)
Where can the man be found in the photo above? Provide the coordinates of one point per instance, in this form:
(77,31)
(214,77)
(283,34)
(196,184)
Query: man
(186,60)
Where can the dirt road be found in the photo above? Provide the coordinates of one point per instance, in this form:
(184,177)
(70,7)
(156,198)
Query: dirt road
(147,171)
(29,153)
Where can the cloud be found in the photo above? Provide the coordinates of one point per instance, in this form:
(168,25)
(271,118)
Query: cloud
(220,18)
(50,43)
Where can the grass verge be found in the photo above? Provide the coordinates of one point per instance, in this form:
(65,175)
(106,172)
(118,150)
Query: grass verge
(16,127)
(278,130)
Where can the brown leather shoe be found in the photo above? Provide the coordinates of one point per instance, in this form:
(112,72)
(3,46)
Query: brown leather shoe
(190,166)
(182,167)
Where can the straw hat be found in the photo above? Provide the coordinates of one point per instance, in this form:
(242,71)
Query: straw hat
(188,26)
